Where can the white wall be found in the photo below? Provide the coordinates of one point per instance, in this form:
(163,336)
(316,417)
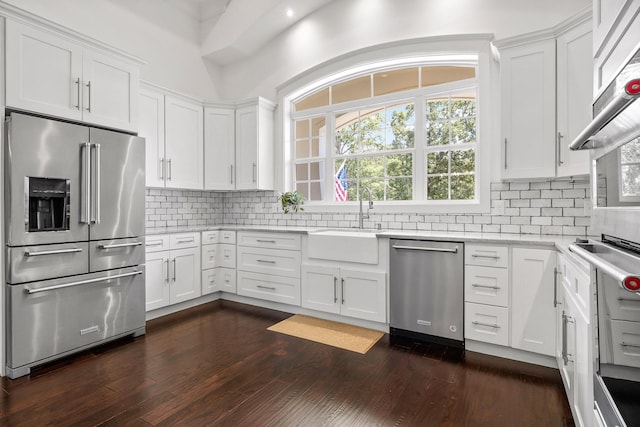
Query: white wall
(164,36)
(347,25)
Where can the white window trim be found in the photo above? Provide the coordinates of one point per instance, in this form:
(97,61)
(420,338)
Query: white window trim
(395,55)
(621,196)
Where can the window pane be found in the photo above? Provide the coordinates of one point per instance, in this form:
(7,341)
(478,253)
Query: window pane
(400,189)
(631,180)
(303,188)
(371,167)
(315,191)
(318,127)
(438,162)
(438,133)
(343,170)
(315,169)
(437,188)
(302,149)
(302,172)
(318,99)
(437,109)
(352,192)
(463,130)
(400,121)
(631,152)
(395,81)
(463,161)
(347,133)
(315,148)
(465,107)
(302,129)
(463,187)
(353,89)
(445,74)
(375,186)
(400,165)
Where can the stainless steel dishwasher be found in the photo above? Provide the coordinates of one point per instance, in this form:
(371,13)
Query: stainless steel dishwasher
(427,291)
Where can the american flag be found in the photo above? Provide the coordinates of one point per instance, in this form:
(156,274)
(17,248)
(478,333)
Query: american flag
(341,184)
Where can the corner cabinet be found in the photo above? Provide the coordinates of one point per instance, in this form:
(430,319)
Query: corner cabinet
(546,94)
(219,148)
(254,145)
(174,132)
(53,74)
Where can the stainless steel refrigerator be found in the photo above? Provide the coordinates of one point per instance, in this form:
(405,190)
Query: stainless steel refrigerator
(74,230)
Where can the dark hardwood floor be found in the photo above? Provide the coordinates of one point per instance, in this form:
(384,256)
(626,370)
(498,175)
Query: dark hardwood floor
(218,365)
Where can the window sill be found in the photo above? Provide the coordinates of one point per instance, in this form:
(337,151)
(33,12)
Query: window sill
(398,207)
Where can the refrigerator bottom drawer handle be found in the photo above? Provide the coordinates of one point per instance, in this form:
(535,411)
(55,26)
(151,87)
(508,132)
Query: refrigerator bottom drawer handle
(81,282)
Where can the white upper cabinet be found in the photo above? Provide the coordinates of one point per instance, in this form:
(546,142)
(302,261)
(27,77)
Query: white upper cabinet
(151,127)
(219,148)
(51,74)
(575,95)
(528,85)
(184,143)
(254,145)
(173,132)
(546,95)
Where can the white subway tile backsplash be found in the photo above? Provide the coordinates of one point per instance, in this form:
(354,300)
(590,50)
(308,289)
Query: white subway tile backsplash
(546,207)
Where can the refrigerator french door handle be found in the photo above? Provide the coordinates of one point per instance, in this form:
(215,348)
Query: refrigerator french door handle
(85,202)
(98,185)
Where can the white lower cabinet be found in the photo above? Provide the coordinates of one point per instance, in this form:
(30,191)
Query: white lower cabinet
(219,279)
(268,287)
(218,261)
(575,350)
(349,292)
(532,311)
(173,275)
(486,323)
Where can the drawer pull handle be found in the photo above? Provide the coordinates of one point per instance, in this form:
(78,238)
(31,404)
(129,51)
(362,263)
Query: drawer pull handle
(265,241)
(629,300)
(271,288)
(485,324)
(626,344)
(156,243)
(54,252)
(485,256)
(184,241)
(266,261)
(120,245)
(477,285)
(81,282)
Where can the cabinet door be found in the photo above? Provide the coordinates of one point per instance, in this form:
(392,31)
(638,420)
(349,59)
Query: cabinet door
(247,148)
(210,281)
(185,270)
(43,72)
(321,288)
(575,94)
(606,13)
(184,143)
(157,280)
(151,128)
(110,91)
(533,315)
(363,295)
(528,83)
(219,148)
(227,280)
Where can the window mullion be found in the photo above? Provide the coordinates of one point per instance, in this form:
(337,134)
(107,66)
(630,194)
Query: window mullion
(329,169)
(419,141)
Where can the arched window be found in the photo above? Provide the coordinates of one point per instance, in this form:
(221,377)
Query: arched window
(406,133)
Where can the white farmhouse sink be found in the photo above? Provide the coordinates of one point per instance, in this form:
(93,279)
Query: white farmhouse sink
(348,246)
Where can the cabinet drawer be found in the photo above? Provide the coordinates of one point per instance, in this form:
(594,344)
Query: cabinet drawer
(486,255)
(269,240)
(619,304)
(218,255)
(218,236)
(486,323)
(218,279)
(156,243)
(269,261)
(268,287)
(486,285)
(626,343)
(184,240)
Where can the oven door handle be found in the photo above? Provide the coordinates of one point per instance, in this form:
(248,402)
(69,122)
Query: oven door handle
(28,253)
(80,282)
(623,277)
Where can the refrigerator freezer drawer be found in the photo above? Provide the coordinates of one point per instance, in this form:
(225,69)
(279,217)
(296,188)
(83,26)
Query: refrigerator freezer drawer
(53,318)
(31,263)
(116,253)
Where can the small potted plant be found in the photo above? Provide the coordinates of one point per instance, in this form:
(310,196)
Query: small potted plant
(291,201)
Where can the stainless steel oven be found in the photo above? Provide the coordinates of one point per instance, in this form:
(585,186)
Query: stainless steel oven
(614,140)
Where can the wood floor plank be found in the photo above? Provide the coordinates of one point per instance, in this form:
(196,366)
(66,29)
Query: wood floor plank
(217,364)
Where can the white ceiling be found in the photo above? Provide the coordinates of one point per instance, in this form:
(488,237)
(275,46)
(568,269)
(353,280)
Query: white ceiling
(233,30)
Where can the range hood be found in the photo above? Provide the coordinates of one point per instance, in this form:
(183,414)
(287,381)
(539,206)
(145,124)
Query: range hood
(616,111)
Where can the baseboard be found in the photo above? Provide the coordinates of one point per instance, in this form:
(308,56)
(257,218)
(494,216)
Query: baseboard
(511,353)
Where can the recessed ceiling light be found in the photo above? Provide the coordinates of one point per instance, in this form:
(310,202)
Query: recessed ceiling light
(289,12)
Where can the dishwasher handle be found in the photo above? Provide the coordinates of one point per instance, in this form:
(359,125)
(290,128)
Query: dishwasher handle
(426,249)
